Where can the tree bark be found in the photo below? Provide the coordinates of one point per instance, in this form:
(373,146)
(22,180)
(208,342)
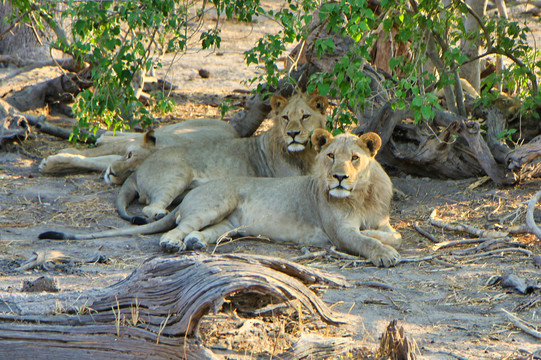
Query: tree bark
(155,312)
(525,160)
(471,46)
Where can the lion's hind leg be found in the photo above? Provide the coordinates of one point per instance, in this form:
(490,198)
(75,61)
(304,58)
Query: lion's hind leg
(164,192)
(199,225)
(197,240)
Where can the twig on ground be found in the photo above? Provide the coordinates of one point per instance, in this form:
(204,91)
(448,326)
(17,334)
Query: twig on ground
(446,263)
(41,257)
(453,355)
(493,252)
(345,256)
(419,259)
(375,284)
(425,233)
(521,324)
(519,229)
(529,215)
(487,245)
(464,228)
(309,256)
(451,243)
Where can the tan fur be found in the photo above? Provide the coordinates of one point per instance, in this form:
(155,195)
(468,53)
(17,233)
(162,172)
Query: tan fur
(282,151)
(112,147)
(344,203)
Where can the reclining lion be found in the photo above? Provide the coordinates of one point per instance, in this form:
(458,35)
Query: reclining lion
(346,202)
(284,150)
(113,147)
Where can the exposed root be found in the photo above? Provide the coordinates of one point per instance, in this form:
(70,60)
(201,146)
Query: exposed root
(396,345)
(521,324)
(530,221)
(464,228)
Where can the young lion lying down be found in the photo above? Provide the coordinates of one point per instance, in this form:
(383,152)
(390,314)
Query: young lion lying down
(345,203)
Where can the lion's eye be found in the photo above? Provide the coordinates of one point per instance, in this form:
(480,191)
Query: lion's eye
(354,158)
(306,116)
(130,154)
(331,156)
(285,117)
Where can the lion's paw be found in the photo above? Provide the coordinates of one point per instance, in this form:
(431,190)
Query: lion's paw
(54,164)
(154,212)
(195,241)
(171,243)
(384,255)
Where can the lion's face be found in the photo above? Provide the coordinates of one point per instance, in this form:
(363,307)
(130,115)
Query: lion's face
(344,161)
(296,118)
(119,170)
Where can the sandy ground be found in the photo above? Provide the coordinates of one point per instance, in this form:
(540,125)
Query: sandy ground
(446,305)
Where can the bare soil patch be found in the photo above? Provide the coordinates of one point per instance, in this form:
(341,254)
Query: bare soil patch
(445,303)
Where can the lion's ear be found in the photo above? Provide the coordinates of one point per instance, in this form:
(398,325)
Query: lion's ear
(320,138)
(277,103)
(371,142)
(149,139)
(319,103)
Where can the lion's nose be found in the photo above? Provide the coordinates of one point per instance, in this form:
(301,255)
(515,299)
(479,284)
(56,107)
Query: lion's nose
(293,133)
(340,177)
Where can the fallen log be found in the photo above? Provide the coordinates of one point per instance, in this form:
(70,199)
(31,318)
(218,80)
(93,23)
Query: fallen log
(155,312)
(60,89)
(525,160)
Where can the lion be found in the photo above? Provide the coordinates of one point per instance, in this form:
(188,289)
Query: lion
(166,174)
(345,202)
(112,147)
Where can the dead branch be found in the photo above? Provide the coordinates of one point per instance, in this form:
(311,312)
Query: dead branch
(170,296)
(487,245)
(342,255)
(452,243)
(396,345)
(425,233)
(521,324)
(309,255)
(530,221)
(375,284)
(419,259)
(525,160)
(499,251)
(317,347)
(465,228)
(41,257)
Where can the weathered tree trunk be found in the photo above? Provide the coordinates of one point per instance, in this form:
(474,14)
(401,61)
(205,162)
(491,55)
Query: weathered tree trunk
(60,89)
(471,46)
(525,160)
(16,39)
(156,311)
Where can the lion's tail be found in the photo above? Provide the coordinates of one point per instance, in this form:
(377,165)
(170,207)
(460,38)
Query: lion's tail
(128,192)
(162,225)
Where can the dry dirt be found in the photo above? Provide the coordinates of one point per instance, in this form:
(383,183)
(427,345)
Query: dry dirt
(446,305)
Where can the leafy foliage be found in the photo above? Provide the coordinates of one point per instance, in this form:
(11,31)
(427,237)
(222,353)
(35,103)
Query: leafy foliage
(410,23)
(122,40)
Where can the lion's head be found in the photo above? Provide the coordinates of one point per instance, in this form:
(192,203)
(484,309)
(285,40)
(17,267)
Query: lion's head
(345,162)
(297,117)
(136,153)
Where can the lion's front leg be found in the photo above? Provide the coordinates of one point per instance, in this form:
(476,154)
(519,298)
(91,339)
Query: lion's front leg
(359,242)
(73,162)
(386,234)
